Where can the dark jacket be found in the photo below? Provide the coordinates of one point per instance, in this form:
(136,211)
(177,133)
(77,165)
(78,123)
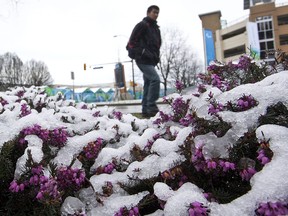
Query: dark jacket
(145,42)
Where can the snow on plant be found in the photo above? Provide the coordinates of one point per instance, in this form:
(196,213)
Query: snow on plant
(88,157)
(56,137)
(228,76)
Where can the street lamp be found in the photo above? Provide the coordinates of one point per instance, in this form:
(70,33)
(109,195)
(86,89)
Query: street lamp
(118,51)
(73,77)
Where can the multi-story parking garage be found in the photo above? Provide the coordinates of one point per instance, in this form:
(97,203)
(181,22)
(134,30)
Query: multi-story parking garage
(264,29)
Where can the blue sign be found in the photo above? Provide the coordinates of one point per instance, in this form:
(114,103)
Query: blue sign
(209,46)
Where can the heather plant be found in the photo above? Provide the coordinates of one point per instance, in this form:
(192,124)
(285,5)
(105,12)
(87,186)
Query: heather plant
(107,189)
(179,86)
(91,151)
(43,186)
(20,93)
(48,191)
(228,76)
(198,209)
(222,174)
(124,211)
(3,101)
(24,110)
(242,104)
(56,137)
(117,115)
(179,108)
(275,114)
(272,209)
(108,168)
(215,107)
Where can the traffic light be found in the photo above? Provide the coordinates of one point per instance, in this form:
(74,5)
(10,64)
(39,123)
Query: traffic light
(84,66)
(132,84)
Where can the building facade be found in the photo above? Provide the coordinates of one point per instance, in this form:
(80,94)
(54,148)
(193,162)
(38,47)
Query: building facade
(264,29)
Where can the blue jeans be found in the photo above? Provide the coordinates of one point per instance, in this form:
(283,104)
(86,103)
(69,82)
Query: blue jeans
(151,88)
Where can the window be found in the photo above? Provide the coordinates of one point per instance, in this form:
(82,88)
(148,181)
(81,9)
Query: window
(234,33)
(283,39)
(234,51)
(283,19)
(266,35)
(265,30)
(269,34)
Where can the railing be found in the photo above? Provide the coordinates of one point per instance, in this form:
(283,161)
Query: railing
(235,21)
(281,4)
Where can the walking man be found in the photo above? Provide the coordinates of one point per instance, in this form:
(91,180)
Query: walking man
(144,46)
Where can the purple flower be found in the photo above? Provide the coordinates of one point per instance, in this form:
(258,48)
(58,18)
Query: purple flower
(262,157)
(244,62)
(96,114)
(117,115)
(57,137)
(198,209)
(246,174)
(68,177)
(226,165)
(49,192)
(92,150)
(24,110)
(20,93)
(3,101)
(84,106)
(272,208)
(246,102)
(109,168)
(37,170)
(211,164)
(187,120)
(133,211)
(179,86)
(15,187)
(215,107)
(163,118)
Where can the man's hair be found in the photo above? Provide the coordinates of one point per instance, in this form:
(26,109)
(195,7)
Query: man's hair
(152,7)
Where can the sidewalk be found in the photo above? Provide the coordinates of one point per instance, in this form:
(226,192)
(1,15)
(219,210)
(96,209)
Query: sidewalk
(125,102)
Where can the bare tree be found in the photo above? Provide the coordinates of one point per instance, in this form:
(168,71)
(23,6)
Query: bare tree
(36,73)
(177,59)
(186,67)
(11,69)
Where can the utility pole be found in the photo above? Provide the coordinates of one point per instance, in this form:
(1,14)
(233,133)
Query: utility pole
(73,77)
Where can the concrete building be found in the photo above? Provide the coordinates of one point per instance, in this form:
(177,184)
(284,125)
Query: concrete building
(266,27)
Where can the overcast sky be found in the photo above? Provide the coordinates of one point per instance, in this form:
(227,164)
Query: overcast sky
(65,34)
